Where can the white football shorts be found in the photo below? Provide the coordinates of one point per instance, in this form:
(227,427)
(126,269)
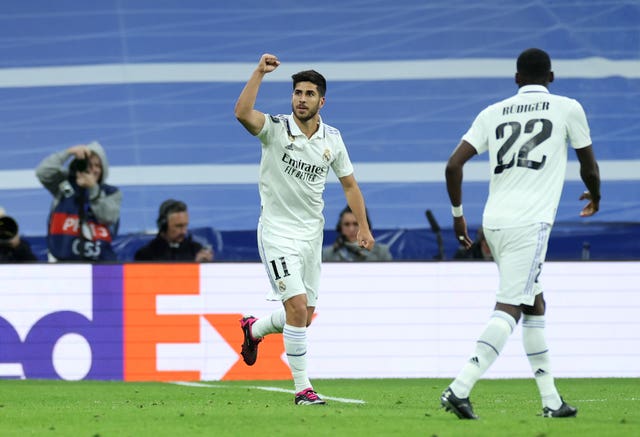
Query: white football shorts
(293,266)
(519,253)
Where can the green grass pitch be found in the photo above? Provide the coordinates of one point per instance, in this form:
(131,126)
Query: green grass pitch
(392,407)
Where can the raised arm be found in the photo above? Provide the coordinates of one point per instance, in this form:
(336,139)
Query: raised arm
(51,171)
(250,118)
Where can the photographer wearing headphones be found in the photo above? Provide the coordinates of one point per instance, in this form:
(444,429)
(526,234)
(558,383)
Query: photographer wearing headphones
(85,212)
(12,247)
(346,247)
(173,241)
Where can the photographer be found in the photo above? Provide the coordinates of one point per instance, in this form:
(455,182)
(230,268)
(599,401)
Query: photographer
(12,247)
(346,247)
(85,212)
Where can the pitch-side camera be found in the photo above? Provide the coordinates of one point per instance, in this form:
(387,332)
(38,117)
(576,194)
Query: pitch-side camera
(8,229)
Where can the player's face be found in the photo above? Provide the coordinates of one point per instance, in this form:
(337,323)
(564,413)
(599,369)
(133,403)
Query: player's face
(349,226)
(177,224)
(306,101)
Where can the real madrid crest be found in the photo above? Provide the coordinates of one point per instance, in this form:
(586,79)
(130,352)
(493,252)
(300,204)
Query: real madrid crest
(326,156)
(282,286)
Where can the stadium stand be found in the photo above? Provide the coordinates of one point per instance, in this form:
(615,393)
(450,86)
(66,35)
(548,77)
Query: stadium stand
(156,83)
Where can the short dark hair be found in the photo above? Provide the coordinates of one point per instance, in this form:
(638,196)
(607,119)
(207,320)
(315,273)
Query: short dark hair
(311,76)
(534,64)
(167,207)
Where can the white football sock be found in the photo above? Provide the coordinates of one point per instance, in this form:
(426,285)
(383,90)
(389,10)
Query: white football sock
(535,346)
(272,324)
(295,345)
(488,347)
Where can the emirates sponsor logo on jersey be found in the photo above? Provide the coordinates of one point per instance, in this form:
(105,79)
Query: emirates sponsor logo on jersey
(303,170)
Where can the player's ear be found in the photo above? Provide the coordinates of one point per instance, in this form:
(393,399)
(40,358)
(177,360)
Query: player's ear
(551,76)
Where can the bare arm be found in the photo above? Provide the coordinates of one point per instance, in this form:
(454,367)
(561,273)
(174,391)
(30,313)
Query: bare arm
(590,174)
(250,118)
(453,174)
(355,200)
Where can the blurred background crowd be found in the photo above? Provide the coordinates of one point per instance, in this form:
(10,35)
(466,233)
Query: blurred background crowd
(154,84)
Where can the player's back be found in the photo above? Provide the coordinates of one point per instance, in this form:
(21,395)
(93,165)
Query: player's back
(526,137)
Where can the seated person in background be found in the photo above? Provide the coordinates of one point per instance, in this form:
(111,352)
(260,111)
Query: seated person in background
(173,241)
(346,247)
(85,212)
(12,247)
(479,249)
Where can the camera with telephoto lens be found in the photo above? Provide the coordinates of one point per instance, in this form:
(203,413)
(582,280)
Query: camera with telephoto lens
(79,165)
(8,229)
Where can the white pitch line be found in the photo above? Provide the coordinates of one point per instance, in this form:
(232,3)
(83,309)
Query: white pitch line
(577,401)
(276,389)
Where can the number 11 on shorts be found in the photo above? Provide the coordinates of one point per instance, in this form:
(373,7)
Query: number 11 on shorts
(274,267)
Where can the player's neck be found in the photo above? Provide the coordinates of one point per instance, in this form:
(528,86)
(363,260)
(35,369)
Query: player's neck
(308,127)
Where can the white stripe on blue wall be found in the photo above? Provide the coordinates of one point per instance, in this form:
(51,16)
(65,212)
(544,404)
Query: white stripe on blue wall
(586,68)
(393,172)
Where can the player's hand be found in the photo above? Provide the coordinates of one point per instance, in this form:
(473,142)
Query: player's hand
(268,63)
(366,240)
(592,207)
(460,229)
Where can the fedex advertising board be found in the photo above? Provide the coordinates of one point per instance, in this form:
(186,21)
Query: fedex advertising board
(61,322)
(170,322)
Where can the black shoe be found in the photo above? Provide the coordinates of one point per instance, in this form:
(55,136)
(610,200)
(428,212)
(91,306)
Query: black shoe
(565,410)
(250,345)
(460,407)
(308,397)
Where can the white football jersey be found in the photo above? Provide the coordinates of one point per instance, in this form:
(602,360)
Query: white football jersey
(527,136)
(293,173)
